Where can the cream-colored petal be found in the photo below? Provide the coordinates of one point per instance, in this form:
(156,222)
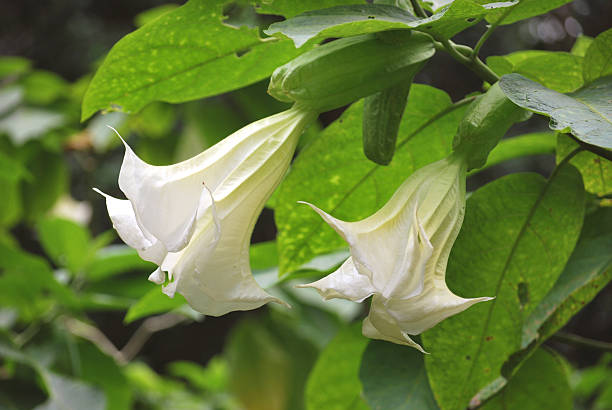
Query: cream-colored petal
(345,283)
(158,276)
(380,325)
(422,312)
(124,221)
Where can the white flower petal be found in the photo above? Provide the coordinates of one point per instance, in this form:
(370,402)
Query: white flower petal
(124,221)
(345,283)
(380,325)
(158,276)
(422,312)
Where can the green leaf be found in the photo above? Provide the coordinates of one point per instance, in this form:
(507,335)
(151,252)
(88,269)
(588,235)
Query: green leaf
(394,377)
(49,180)
(586,113)
(64,393)
(151,14)
(523,229)
(290,8)
(212,378)
(13,65)
(584,276)
(27,283)
(346,21)
(596,171)
(153,302)
(598,57)
(540,383)
(334,383)
(525,9)
(333,173)
(523,145)
(556,70)
(101,371)
(185,54)
(67,243)
(268,364)
(44,87)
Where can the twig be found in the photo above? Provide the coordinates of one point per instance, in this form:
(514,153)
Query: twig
(418,9)
(488,33)
(136,342)
(572,339)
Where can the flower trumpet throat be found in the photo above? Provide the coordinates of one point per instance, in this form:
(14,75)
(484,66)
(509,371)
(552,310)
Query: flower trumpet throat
(399,255)
(194,219)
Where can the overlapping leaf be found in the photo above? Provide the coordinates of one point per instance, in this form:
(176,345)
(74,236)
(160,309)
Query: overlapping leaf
(185,54)
(334,174)
(345,21)
(523,230)
(586,113)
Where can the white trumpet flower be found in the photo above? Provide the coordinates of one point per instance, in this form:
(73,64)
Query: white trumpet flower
(399,255)
(194,219)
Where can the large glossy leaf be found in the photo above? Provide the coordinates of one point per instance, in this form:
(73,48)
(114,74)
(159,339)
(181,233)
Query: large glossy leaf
(586,273)
(154,302)
(523,230)
(586,113)
(345,21)
(334,174)
(556,70)
(394,377)
(525,9)
(596,171)
(598,57)
(334,383)
(290,8)
(541,383)
(536,143)
(185,54)
(67,243)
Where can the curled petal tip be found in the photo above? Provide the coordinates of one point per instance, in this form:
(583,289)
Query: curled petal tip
(158,277)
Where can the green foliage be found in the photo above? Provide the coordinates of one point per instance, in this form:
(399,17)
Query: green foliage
(558,71)
(525,9)
(597,57)
(354,186)
(394,377)
(157,62)
(346,21)
(334,381)
(596,171)
(542,381)
(585,113)
(511,223)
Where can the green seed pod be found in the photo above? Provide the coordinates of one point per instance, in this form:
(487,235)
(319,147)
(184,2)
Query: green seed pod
(382,114)
(485,122)
(342,71)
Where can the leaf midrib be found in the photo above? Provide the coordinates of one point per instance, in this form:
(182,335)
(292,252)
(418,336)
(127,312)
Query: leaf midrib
(504,271)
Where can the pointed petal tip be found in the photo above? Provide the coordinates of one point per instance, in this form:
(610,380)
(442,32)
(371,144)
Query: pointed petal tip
(119,135)
(158,277)
(280,302)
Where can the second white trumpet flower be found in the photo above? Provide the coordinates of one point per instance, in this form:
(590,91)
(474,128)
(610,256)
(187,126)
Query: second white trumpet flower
(399,255)
(194,219)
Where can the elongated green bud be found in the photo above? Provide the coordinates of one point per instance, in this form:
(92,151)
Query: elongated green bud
(382,114)
(342,71)
(485,122)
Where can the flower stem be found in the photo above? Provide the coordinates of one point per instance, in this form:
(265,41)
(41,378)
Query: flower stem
(418,9)
(463,54)
(488,33)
